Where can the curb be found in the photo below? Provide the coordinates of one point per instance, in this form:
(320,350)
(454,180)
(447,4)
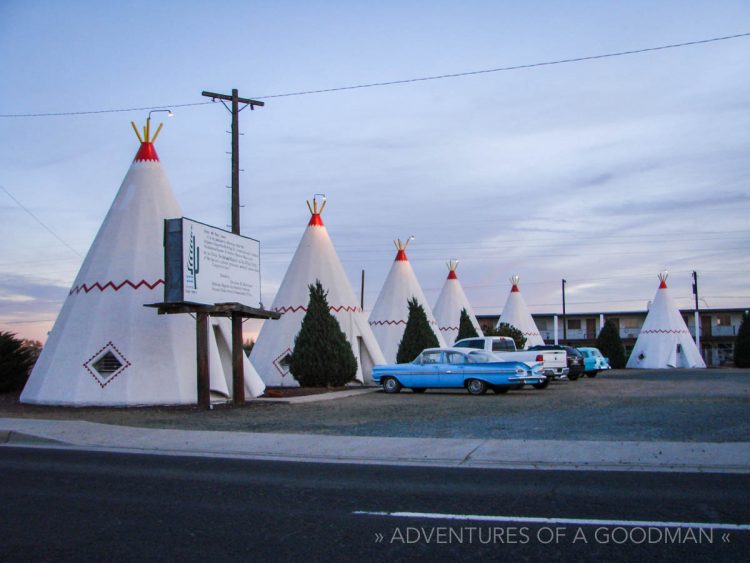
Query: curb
(705,457)
(13,438)
(317,397)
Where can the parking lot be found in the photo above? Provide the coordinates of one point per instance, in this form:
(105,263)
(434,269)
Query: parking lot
(711,405)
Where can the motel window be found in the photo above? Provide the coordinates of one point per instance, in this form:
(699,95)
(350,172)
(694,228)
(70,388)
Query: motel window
(723,320)
(574,324)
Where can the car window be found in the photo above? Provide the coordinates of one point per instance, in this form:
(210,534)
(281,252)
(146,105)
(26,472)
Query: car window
(503,346)
(430,357)
(479,357)
(463,344)
(584,353)
(596,353)
(455,358)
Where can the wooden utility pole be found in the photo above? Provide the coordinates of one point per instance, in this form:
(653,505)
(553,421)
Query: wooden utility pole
(697,314)
(238,372)
(565,322)
(204,381)
(362,293)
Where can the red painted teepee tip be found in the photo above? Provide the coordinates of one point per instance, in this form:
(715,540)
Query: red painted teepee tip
(316,220)
(146,152)
(401,247)
(663,279)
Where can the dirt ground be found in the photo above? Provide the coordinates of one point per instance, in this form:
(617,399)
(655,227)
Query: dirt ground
(711,405)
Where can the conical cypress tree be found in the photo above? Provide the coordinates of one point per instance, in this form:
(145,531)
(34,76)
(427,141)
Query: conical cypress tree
(322,356)
(417,335)
(610,345)
(466,327)
(742,344)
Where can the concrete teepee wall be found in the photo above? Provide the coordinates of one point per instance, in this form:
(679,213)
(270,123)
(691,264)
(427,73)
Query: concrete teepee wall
(106,348)
(314,259)
(451,301)
(516,313)
(664,340)
(391,311)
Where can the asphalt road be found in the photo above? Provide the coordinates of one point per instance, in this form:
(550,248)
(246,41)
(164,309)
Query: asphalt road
(69,505)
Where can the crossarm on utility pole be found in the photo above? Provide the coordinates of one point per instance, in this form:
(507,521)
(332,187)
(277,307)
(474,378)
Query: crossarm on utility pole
(228,98)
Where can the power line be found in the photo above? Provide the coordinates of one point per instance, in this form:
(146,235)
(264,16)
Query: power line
(406,80)
(92,112)
(38,220)
(504,68)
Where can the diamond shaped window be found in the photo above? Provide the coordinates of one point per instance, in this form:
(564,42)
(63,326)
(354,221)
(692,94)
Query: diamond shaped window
(281,363)
(107,364)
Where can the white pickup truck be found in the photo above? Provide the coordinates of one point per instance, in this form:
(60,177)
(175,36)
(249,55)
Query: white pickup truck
(554,362)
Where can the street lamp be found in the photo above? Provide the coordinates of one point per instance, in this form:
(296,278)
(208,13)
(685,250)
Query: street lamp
(148,138)
(168,111)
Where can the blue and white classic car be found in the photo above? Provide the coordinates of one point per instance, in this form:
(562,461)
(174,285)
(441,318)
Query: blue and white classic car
(593,361)
(475,370)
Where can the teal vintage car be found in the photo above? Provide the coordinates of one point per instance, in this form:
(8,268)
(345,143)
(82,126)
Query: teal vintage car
(593,361)
(457,368)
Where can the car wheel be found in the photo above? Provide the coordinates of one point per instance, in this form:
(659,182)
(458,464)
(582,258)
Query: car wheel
(391,385)
(572,377)
(417,389)
(476,386)
(592,373)
(542,385)
(501,390)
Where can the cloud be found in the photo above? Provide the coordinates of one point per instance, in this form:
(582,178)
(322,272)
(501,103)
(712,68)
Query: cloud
(672,204)
(24,297)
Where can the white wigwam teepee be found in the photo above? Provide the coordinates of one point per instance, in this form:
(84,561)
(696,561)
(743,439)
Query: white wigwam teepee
(451,301)
(391,311)
(664,340)
(106,348)
(517,314)
(315,259)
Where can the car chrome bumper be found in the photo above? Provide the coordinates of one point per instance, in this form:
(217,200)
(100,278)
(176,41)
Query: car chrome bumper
(527,379)
(556,372)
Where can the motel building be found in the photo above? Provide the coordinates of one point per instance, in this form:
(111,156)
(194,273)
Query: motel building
(718,329)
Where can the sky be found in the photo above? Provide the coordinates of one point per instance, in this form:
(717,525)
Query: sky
(601,172)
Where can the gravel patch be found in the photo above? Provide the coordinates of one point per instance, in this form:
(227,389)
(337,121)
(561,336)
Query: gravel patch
(711,405)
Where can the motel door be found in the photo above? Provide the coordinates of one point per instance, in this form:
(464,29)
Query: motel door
(591,328)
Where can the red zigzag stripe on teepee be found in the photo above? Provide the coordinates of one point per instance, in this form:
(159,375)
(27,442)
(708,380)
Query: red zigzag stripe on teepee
(381,323)
(87,288)
(664,331)
(448,328)
(347,308)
